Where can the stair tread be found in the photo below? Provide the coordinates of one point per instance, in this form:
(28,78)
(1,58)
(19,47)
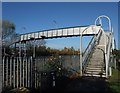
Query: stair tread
(93,68)
(95,65)
(94,75)
(94,72)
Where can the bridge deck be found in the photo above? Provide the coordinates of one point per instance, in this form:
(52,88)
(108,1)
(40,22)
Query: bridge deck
(62,32)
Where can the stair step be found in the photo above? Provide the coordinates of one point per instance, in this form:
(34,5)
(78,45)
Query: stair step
(93,68)
(93,72)
(94,75)
(95,65)
(96,59)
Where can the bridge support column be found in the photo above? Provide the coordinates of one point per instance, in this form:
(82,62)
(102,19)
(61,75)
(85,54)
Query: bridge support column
(110,71)
(106,68)
(81,55)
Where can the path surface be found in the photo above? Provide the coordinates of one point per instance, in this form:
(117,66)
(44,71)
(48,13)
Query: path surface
(83,85)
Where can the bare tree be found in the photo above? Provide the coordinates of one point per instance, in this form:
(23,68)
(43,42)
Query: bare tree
(9,36)
(8,33)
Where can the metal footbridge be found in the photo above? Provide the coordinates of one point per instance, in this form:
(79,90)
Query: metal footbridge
(96,60)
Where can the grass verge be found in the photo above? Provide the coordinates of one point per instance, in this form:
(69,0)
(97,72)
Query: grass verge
(114,80)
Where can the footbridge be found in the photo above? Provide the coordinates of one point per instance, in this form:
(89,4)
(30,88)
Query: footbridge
(95,61)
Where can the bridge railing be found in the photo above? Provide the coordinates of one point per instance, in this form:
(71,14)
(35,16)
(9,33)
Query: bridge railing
(89,49)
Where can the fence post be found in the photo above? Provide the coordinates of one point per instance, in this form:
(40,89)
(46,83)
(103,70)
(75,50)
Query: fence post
(7,72)
(20,70)
(26,72)
(23,70)
(17,71)
(14,71)
(3,82)
(10,71)
(31,72)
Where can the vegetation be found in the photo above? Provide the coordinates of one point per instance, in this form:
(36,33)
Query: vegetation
(116,53)
(55,64)
(8,33)
(114,80)
(8,36)
(41,51)
(65,51)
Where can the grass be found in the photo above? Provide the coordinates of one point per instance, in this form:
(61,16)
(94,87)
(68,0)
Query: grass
(114,80)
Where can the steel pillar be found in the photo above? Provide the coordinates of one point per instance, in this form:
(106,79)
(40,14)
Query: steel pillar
(110,71)
(81,60)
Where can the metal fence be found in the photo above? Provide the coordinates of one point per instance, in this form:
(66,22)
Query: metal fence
(17,72)
(27,72)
